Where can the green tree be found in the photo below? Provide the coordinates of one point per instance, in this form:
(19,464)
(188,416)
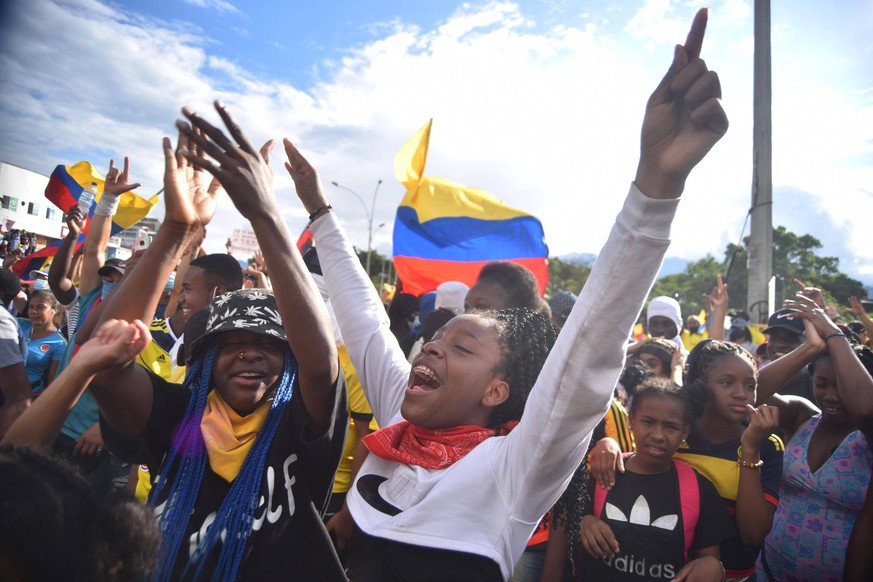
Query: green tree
(564,276)
(690,286)
(794,257)
(381,267)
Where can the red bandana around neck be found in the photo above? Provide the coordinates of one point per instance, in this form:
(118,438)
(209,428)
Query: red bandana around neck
(432,449)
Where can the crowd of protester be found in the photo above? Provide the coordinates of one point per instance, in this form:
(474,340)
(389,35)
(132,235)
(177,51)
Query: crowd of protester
(176,416)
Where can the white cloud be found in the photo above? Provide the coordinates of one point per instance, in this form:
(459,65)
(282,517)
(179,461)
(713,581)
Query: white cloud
(219,5)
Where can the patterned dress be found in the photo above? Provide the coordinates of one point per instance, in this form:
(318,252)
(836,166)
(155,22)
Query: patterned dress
(816,509)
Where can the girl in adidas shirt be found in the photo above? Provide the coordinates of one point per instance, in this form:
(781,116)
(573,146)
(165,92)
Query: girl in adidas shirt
(661,520)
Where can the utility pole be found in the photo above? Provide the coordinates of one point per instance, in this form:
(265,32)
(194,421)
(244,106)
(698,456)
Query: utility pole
(760,265)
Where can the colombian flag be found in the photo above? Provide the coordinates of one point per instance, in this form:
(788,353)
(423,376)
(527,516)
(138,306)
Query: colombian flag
(40,260)
(65,186)
(447,232)
(67,183)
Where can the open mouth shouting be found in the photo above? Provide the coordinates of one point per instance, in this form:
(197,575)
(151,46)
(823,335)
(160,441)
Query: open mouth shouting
(422,380)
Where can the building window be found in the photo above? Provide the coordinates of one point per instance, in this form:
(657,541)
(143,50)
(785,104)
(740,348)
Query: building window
(9,202)
(33,208)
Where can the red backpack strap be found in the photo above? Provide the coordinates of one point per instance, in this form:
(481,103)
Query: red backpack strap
(689,496)
(600,492)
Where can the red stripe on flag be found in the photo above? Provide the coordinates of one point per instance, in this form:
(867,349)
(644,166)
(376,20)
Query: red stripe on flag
(423,275)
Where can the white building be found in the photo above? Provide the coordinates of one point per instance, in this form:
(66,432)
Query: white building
(23,203)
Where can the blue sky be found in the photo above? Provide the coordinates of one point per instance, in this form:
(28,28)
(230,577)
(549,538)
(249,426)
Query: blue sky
(538,102)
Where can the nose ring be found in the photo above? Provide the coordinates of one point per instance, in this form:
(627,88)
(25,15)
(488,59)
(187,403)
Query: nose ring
(242,356)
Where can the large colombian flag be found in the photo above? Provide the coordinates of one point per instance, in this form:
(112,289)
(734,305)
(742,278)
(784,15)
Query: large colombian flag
(64,188)
(447,232)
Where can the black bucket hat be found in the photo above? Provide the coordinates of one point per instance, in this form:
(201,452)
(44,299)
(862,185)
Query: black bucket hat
(251,310)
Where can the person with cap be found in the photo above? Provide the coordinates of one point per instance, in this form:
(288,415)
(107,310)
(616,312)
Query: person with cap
(561,304)
(40,280)
(246,450)
(785,332)
(14,385)
(664,319)
(451,295)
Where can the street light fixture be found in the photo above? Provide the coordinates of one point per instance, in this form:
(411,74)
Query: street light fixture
(369,213)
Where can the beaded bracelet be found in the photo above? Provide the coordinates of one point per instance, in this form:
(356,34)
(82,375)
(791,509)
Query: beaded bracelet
(838,334)
(749,464)
(317,210)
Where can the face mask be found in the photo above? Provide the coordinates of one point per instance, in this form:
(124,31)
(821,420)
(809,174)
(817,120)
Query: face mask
(107,289)
(40,285)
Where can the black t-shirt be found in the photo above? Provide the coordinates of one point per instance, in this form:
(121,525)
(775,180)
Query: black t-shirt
(644,513)
(288,540)
(800,387)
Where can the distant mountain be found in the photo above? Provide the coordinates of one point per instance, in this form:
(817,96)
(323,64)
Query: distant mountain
(581,259)
(671,266)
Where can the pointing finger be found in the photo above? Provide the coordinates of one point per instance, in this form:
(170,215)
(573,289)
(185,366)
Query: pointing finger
(694,41)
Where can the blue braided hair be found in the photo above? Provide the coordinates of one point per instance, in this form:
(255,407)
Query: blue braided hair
(233,520)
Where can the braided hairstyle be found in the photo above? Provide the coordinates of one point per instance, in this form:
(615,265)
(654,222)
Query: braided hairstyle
(700,361)
(187,455)
(572,505)
(525,338)
(55,527)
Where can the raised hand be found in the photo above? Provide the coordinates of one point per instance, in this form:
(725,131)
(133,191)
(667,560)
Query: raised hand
(187,202)
(684,119)
(718,298)
(306,180)
(118,182)
(814,315)
(813,293)
(243,171)
(75,221)
(260,263)
(855,307)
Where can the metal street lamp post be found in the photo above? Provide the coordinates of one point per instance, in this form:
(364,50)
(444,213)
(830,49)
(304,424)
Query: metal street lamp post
(369,213)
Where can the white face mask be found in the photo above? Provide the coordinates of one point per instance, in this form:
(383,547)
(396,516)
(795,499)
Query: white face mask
(40,285)
(108,287)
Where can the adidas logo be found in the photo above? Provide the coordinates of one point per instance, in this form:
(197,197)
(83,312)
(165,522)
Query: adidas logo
(161,358)
(640,515)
